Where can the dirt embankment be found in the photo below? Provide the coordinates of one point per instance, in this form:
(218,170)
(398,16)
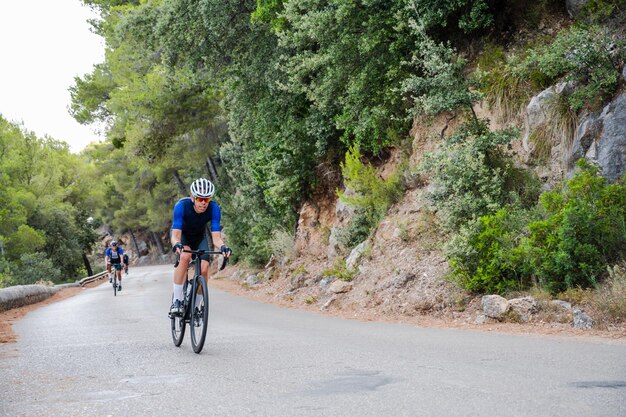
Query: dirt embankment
(305,299)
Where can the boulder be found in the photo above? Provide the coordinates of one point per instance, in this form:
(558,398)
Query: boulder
(601,138)
(582,320)
(494,306)
(523,307)
(338,287)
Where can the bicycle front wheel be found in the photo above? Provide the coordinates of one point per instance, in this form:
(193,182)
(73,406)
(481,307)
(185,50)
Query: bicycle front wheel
(114,282)
(178,329)
(199,315)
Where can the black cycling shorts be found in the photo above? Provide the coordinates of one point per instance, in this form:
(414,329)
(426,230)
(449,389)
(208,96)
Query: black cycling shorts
(196,243)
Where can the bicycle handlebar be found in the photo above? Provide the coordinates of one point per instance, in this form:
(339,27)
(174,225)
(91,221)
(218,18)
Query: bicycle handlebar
(202,252)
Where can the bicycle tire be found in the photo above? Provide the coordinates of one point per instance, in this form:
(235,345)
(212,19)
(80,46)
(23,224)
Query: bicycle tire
(178,324)
(199,318)
(114,282)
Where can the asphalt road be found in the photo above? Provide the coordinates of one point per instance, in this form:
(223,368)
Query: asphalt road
(98,355)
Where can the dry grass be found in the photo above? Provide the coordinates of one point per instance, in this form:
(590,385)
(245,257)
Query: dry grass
(610,298)
(559,128)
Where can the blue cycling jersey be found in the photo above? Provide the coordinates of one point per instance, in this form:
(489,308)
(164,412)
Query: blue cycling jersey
(114,256)
(191,223)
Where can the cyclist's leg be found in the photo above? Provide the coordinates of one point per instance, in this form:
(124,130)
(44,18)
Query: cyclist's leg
(204,245)
(204,266)
(118,271)
(180,273)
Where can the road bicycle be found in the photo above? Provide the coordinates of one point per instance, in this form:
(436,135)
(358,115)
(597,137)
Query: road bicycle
(113,276)
(196,314)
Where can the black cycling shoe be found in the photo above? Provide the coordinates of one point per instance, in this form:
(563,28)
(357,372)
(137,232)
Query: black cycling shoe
(176,309)
(119,287)
(197,316)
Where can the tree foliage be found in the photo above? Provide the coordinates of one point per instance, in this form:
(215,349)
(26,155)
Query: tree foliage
(44,204)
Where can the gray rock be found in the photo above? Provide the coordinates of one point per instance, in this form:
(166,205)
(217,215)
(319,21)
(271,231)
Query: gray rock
(523,307)
(562,304)
(342,210)
(612,143)
(536,114)
(494,306)
(481,319)
(298,281)
(338,287)
(586,134)
(237,275)
(355,256)
(601,138)
(333,243)
(325,282)
(327,304)
(403,279)
(142,246)
(252,280)
(318,277)
(582,320)
(268,273)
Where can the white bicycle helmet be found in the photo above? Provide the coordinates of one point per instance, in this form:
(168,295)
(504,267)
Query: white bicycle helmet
(202,188)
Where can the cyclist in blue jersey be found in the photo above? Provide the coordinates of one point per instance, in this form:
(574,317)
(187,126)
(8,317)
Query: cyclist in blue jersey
(191,215)
(114,256)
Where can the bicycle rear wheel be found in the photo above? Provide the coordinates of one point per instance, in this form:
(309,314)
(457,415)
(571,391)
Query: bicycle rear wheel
(114,282)
(199,315)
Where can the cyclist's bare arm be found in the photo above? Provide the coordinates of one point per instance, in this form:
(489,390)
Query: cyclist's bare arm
(177,236)
(218,242)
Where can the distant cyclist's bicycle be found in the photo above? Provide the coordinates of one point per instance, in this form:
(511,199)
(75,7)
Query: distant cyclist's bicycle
(195,312)
(114,269)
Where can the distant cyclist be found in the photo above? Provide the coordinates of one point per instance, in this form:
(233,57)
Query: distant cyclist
(191,215)
(114,258)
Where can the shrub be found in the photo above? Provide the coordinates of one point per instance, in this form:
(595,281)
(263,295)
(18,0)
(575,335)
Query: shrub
(484,255)
(361,225)
(339,271)
(600,10)
(589,57)
(34,267)
(563,245)
(372,197)
(5,273)
(582,230)
(474,175)
(440,84)
(283,245)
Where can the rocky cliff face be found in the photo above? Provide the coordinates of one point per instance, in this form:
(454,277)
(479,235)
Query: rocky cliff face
(401,271)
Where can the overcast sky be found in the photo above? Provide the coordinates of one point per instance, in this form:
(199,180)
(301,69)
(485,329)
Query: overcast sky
(44,44)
